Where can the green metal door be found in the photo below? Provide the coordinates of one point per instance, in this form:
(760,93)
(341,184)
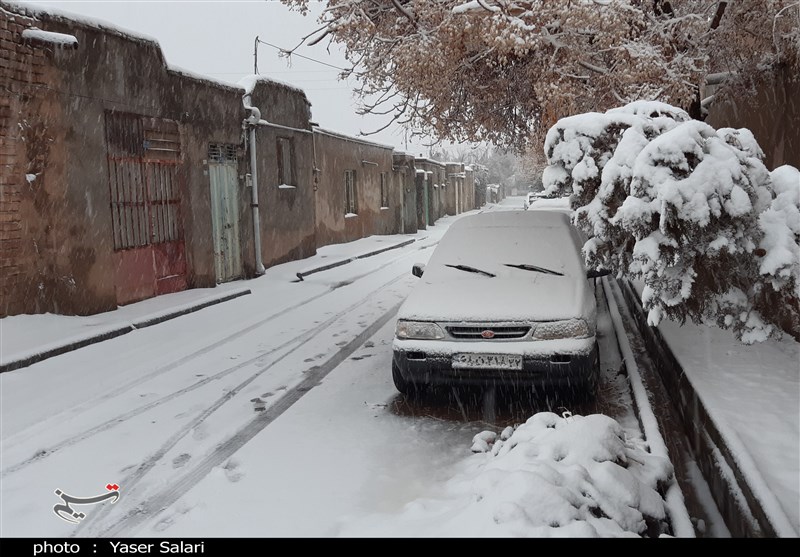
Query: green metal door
(425,200)
(222,172)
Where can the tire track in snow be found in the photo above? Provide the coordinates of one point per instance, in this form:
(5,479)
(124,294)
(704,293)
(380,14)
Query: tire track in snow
(24,435)
(150,506)
(122,418)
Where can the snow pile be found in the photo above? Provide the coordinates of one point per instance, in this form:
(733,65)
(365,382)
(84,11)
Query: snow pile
(60,40)
(572,476)
(689,210)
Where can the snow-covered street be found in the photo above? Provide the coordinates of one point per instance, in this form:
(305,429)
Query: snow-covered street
(278,408)
(173,414)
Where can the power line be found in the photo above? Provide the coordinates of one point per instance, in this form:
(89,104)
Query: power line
(290,53)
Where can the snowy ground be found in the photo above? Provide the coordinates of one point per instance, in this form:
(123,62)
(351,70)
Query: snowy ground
(753,394)
(168,414)
(151,410)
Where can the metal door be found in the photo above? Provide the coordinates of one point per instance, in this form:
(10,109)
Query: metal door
(425,200)
(222,172)
(145,183)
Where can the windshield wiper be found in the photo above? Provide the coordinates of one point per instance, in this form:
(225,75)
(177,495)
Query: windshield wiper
(471,270)
(526,267)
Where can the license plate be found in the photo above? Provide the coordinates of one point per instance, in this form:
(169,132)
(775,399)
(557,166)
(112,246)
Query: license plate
(487,361)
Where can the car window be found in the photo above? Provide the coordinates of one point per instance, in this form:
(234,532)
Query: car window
(501,250)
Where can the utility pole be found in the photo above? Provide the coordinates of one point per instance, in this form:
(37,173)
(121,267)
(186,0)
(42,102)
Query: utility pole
(255,56)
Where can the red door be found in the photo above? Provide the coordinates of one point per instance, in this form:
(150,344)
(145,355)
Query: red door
(145,181)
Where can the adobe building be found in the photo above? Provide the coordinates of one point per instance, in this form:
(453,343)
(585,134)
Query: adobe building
(103,192)
(358,194)
(405,176)
(433,188)
(770,113)
(123,178)
(285,173)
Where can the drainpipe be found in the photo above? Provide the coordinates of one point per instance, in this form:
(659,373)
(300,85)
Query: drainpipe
(252,122)
(455,187)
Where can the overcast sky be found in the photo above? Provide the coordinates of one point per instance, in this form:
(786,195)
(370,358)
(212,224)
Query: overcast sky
(215,38)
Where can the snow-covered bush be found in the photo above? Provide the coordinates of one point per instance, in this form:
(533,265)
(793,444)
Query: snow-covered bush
(780,245)
(689,210)
(591,159)
(574,476)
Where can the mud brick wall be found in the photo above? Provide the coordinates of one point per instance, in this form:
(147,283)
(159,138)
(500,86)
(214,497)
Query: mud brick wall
(23,76)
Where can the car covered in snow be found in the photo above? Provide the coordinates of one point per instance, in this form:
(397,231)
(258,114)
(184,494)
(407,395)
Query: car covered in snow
(504,300)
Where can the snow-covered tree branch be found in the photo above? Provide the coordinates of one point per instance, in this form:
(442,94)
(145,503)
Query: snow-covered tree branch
(499,71)
(689,210)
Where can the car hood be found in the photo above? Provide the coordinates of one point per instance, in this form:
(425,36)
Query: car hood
(478,298)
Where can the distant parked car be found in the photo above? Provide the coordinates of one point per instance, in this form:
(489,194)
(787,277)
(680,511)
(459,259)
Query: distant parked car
(504,300)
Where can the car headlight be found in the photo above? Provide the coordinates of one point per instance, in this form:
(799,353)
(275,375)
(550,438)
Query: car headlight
(571,328)
(418,330)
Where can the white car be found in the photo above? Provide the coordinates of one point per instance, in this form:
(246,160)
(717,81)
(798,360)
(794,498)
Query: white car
(504,300)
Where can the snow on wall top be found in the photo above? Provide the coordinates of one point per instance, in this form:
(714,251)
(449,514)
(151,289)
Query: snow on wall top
(249,83)
(63,16)
(339,135)
(204,78)
(54,15)
(58,39)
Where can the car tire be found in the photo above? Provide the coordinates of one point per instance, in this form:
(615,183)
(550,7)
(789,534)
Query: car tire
(406,387)
(590,386)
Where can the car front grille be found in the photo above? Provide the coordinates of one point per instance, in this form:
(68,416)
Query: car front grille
(476,333)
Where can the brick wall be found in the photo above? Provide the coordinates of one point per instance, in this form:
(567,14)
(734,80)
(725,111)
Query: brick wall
(21,70)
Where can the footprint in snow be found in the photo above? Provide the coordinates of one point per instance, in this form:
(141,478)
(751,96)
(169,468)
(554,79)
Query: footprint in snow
(163,524)
(232,471)
(181,460)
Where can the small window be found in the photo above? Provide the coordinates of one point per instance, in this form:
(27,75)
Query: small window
(285,162)
(350,206)
(384,191)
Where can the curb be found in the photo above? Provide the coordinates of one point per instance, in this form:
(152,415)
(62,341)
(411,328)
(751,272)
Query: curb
(302,274)
(113,333)
(744,516)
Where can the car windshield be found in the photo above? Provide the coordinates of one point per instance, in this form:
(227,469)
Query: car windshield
(505,246)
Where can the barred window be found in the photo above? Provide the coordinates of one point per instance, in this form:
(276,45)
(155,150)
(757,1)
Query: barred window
(384,191)
(285,162)
(351,206)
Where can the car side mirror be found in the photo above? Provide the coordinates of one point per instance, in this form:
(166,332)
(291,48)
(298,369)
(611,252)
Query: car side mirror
(418,269)
(597,273)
